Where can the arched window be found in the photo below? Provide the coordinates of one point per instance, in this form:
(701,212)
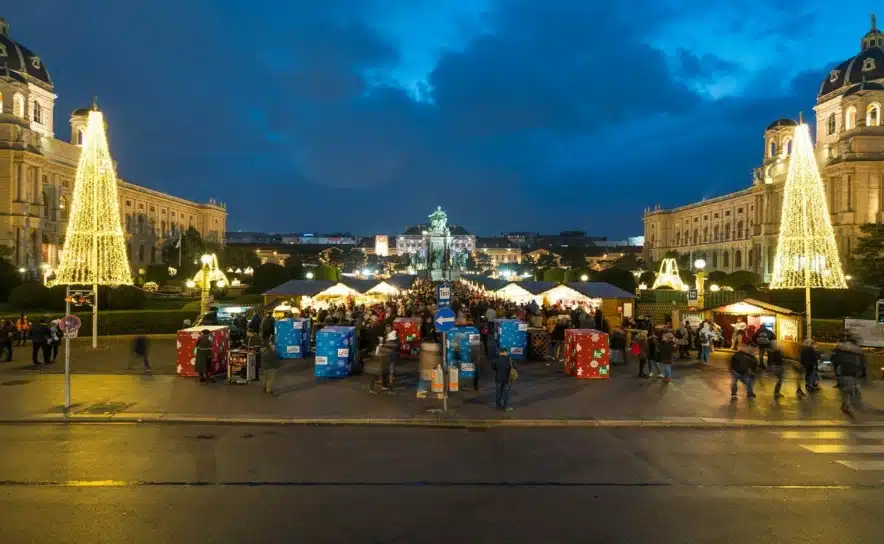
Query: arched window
(140,254)
(687,237)
(739,229)
(727,231)
(749,258)
(153,255)
(163,228)
(873,115)
(725,258)
(63,207)
(128,222)
(715,233)
(831,124)
(705,234)
(850,118)
(678,238)
(81,136)
(738,259)
(44,201)
(18,105)
(772,149)
(696,235)
(714,259)
(787,148)
(38,112)
(140,224)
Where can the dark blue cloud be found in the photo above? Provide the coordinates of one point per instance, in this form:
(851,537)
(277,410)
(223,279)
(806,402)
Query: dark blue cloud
(519,114)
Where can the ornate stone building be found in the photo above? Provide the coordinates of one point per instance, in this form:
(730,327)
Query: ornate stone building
(37,173)
(739,231)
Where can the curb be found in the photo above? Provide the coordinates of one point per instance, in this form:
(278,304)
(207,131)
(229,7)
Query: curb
(438,422)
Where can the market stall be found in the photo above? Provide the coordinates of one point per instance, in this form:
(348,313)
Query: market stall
(295,294)
(786,324)
(615,303)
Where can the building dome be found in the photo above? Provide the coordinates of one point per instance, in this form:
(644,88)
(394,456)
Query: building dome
(862,87)
(868,65)
(781,123)
(22,60)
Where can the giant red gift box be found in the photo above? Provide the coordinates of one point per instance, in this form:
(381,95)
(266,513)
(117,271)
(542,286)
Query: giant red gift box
(186,344)
(587,354)
(408,329)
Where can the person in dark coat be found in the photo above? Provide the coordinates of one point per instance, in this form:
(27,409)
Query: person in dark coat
(502,366)
(139,349)
(776,367)
(849,363)
(204,355)
(40,336)
(641,340)
(255,323)
(267,326)
(743,366)
(809,359)
(7,339)
(666,351)
(253,343)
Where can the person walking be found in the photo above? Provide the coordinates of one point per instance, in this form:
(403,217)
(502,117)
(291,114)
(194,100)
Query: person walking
(139,351)
(23,327)
(775,366)
(55,336)
(7,339)
(705,335)
(667,351)
(267,326)
(654,355)
(683,340)
(641,342)
(253,344)
(763,339)
(743,366)
(738,333)
(204,355)
(504,374)
(558,337)
(809,360)
(40,342)
(848,360)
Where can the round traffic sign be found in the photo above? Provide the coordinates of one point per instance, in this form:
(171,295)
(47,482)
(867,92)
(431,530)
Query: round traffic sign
(444,319)
(69,323)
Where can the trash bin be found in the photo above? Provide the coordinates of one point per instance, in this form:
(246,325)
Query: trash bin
(430,358)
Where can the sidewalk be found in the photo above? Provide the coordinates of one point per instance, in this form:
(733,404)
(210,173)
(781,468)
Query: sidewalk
(542,396)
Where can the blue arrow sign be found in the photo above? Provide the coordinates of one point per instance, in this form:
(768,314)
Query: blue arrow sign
(444,319)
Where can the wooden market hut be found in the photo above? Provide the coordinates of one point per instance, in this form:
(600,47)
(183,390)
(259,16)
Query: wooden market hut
(615,302)
(786,324)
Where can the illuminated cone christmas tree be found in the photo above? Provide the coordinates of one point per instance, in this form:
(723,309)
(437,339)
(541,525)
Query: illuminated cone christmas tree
(807,256)
(94,246)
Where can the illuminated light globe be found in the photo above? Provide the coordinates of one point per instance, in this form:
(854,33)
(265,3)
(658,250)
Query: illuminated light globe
(668,276)
(807,256)
(714,288)
(151,287)
(94,245)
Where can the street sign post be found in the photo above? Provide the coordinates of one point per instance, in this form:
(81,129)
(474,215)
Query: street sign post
(443,294)
(693,297)
(70,325)
(444,321)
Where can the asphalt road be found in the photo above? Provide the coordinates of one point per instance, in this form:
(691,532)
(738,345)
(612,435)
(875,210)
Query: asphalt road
(182,483)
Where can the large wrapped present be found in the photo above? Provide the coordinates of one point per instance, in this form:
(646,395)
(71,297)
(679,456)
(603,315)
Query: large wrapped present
(511,335)
(186,346)
(292,338)
(335,352)
(587,354)
(408,329)
(460,346)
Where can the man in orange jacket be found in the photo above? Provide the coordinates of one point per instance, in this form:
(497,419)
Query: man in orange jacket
(23,326)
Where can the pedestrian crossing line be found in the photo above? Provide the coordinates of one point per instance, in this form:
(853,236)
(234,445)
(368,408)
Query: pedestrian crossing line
(817,435)
(844,448)
(863,464)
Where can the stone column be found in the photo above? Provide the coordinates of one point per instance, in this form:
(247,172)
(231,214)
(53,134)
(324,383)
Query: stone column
(38,185)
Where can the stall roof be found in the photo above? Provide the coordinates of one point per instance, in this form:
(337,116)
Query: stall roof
(490,284)
(537,287)
(753,302)
(600,289)
(401,281)
(300,288)
(360,286)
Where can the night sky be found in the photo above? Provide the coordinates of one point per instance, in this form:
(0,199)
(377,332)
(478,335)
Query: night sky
(363,115)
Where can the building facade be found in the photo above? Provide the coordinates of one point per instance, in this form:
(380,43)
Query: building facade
(739,231)
(37,173)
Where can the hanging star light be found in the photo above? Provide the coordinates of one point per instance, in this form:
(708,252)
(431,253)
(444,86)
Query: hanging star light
(807,255)
(94,246)
(668,276)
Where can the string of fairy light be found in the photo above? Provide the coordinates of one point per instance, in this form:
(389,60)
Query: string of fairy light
(806,250)
(94,245)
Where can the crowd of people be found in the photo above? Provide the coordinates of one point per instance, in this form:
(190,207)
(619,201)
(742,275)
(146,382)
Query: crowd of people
(45,337)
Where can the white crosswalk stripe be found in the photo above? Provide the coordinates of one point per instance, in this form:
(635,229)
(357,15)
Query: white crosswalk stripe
(857,450)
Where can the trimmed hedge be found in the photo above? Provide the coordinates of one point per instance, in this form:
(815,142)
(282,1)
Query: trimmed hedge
(124,322)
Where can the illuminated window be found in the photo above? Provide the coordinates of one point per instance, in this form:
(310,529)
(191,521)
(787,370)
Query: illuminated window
(727,231)
(787,149)
(873,115)
(850,118)
(738,259)
(63,207)
(831,124)
(18,105)
(772,149)
(38,113)
(868,65)
(739,229)
(81,136)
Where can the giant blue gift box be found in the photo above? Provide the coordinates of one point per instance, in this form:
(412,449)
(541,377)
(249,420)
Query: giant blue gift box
(335,352)
(292,338)
(460,350)
(511,335)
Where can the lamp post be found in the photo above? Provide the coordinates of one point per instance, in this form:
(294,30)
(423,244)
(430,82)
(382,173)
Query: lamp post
(700,264)
(205,284)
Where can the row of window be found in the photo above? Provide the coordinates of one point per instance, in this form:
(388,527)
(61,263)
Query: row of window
(726,257)
(153,209)
(142,225)
(717,234)
(873,118)
(18,108)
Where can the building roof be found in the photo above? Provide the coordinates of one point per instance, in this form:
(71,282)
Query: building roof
(300,288)
(24,61)
(850,72)
(864,86)
(359,285)
(782,123)
(754,302)
(600,289)
(489,284)
(537,287)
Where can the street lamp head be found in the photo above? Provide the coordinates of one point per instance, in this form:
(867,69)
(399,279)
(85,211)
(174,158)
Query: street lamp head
(206,259)
(714,288)
(22,270)
(848,277)
(584,277)
(220,284)
(309,275)
(190,284)
(700,264)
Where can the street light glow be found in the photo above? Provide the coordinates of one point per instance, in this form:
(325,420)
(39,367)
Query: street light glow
(700,264)
(584,277)
(309,275)
(206,259)
(191,284)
